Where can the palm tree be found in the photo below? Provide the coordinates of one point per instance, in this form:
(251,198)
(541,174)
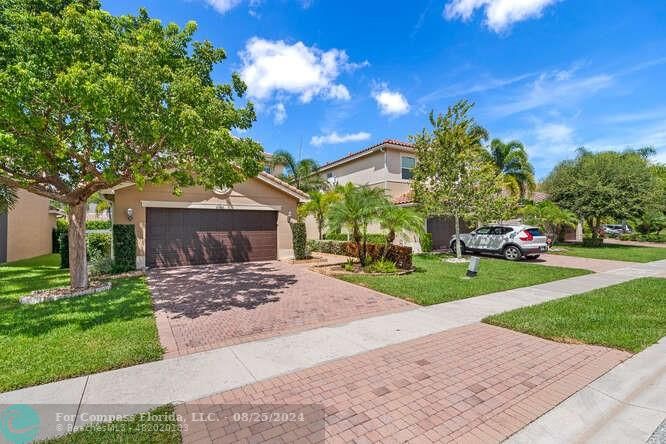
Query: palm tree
(301,174)
(551,217)
(398,220)
(318,206)
(511,159)
(357,208)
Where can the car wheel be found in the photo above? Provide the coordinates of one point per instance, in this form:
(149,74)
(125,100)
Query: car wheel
(512,253)
(462,247)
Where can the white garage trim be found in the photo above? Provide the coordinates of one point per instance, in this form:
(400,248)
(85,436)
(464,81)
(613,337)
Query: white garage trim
(206,206)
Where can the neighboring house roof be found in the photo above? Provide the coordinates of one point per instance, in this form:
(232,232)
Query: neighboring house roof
(538,196)
(405,146)
(262,176)
(406,198)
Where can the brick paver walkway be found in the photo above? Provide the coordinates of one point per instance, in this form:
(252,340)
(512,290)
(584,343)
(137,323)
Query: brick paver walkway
(477,383)
(206,307)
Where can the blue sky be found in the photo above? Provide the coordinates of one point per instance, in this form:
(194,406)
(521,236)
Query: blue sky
(331,77)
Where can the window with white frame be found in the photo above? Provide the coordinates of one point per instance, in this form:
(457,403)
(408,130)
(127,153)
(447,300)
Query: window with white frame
(406,166)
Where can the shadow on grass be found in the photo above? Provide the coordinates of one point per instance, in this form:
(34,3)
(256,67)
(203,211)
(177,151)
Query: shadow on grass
(127,300)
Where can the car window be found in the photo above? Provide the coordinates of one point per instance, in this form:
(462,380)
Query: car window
(497,230)
(534,231)
(507,230)
(482,230)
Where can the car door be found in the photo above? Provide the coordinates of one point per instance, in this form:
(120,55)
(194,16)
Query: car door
(479,239)
(496,238)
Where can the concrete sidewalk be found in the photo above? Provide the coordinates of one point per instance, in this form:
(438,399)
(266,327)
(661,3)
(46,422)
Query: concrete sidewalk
(200,375)
(625,405)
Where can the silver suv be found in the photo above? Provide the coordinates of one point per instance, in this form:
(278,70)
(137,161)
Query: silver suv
(511,241)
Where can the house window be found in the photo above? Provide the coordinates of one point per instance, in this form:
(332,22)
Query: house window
(329,175)
(268,169)
(406,167)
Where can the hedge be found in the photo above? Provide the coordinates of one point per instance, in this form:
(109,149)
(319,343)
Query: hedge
(98,244)
(402,256)
(652,237)
(375,238)
(63,240)
(98,225)
(299,237)
(425,239)
(124,248)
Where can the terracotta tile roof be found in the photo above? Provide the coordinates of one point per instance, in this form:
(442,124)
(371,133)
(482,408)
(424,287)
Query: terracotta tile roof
(404,198)
(284,184)
(538,196)
(367,150)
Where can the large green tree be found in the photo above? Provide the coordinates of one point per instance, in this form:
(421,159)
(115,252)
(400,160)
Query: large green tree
(89,100)
(299,173)
(511,159)
(452,175)
(608,184)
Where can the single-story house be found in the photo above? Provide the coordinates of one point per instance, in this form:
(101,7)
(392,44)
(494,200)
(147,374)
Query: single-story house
(26,230)
(249,222)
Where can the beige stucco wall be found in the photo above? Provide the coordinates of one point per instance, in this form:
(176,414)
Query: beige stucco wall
(251,193)
(363,171)
(29,226)
(379,169)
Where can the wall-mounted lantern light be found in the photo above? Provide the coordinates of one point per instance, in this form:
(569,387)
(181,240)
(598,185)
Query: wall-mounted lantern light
(130,214)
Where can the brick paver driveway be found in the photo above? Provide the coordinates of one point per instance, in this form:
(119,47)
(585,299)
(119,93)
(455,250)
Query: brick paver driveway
(477,383)
(204,307)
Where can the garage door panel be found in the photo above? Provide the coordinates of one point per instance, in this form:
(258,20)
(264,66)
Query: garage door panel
(193,237)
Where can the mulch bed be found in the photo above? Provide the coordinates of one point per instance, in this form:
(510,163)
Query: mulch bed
(333,270)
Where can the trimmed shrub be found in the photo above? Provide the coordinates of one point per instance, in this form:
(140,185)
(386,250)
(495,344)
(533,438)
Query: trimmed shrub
(63,240)
(124,248)
(382,266)
(299,238)
(98,245)
(425,240)
(98,225)
(654,237)
(335,236)
(55,241)
(401,256)
(593,242)
(61,227)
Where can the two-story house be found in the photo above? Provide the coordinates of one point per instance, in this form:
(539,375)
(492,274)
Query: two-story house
(387,165)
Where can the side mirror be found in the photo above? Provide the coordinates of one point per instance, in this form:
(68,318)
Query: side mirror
(473,233)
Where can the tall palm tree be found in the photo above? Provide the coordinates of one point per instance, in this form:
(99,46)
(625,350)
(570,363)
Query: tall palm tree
(512,160)
(301,173)
(398,220)
(318,207)
(357,208)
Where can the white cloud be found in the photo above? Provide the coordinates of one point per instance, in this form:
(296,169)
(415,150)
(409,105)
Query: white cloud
(222,6)
(390,102)
(279,113)
(334,138)
(560,87)
(306,71)
(500,14)
(554,133)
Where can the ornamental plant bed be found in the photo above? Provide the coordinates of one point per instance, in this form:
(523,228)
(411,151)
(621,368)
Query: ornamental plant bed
(308,260)
(335,270)
(54,294)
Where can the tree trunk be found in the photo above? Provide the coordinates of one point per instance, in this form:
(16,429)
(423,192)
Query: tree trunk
(458,250)
(390,237)
(78,265)
(320,228)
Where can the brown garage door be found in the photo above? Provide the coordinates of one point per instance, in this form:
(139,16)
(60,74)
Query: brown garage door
(176,236)
(442,229)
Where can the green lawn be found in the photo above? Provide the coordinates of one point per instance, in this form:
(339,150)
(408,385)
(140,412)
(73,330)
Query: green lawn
(628,316)
(614,252)
(162,429)
(436,281)
(56,340)
(21,277)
